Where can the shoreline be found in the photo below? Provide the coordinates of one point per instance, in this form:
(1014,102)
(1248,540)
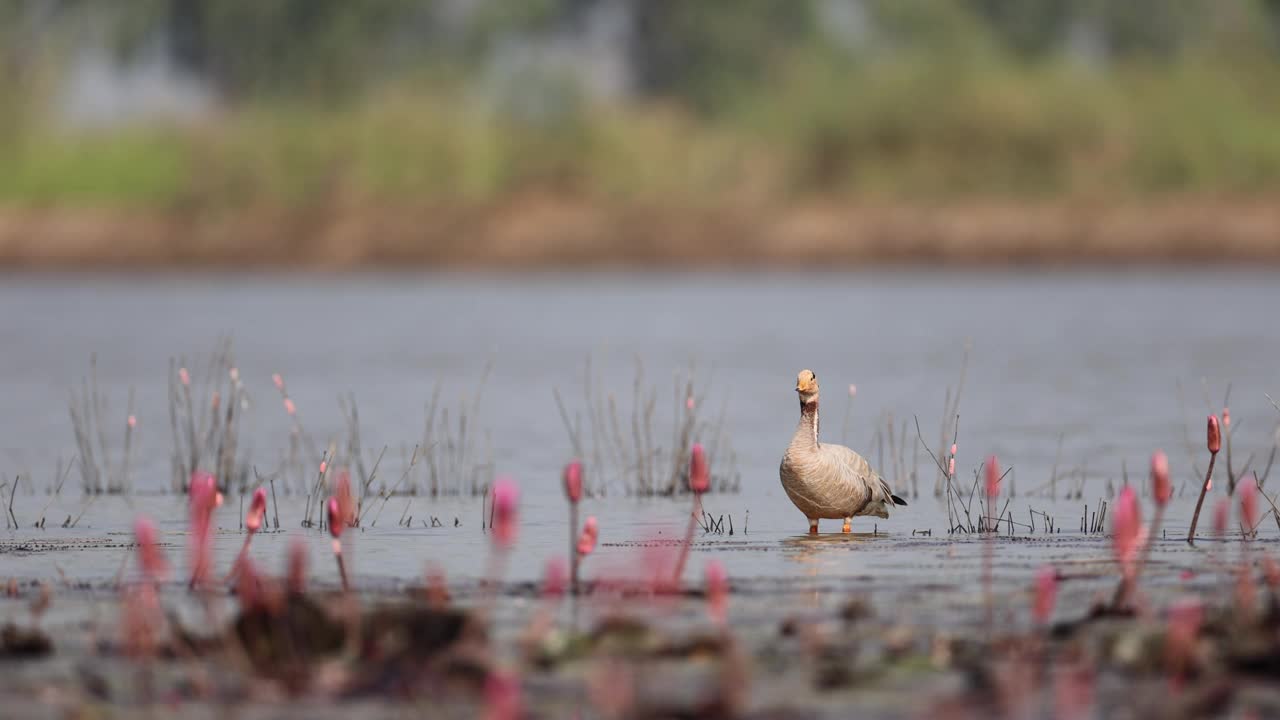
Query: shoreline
(555,232)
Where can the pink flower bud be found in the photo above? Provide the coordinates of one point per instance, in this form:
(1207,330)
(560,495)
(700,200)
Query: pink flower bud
(1226,418)
(951,467)
(717,590)
(289,407)
(342,493)
(1127,530)
(323,466)
(183,376)
(953,449)
(1161,489)
(1046,594)
(699,475)
(202,500)
(555,578)
(573,481)
(502,697)
(336,525)
(688,403)
(257,511)
(1221,513)
(150,556)
(1214,440)
(993,477)
(133,421)
(1249,502)
(297,567)
(587,538)
(506,501)
(278,381)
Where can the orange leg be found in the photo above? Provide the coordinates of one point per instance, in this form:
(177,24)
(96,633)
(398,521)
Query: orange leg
(848,526)
(813,526)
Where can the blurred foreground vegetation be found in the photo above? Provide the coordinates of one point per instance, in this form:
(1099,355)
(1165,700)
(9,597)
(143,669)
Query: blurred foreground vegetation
(642,101)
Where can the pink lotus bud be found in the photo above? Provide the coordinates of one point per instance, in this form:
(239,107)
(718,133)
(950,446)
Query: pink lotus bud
(1046,594)
(1221,513)
(289,407)
(323,466)
(202,500)
(183,376)
(555,578)
(336,525)
(954,447)
(1226,418)
(506,501)
(342,493)
(699,475)
(853,391)
(1127,530)
(1214,435)
(1161,489)
(502,697)
(951,467)
(150,557)
(993,477)
(297,567)
(257,511)
(587,538)
(717,590)
(1249,502)
(278,381)
(573,481)
(688,403)
(133,421)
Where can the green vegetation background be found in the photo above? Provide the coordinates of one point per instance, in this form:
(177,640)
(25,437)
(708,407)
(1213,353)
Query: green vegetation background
(736,101)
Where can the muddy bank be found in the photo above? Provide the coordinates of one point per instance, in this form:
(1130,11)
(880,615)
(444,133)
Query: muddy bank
(533,232)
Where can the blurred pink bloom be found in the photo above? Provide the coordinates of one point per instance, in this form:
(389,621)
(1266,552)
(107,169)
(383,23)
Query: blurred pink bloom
(699,475)
(1249,502)
(289,407)
(202,498)
(573,480)
(297,568)
(993,477)
(688,403)
(278,381)
(1046,594)
(248,584)
(951,467)
(587,538)
(954,447)
(336,525)
(717,590)
(1213,435)
(234,373)
(1221,513)
(183,376)
(133,421)
(154,566)
(141,619)
(1226,418)
(257,511)
(323,466)
(1161,489)
(502,696)
(1128,533)
(506,501)
(853,391)
(555,578)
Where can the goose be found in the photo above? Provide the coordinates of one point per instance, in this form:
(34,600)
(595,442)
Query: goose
(825,480)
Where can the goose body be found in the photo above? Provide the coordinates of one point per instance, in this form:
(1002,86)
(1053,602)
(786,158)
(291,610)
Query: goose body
(828,481)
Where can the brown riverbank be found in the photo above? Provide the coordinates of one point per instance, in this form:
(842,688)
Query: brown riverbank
(533,232)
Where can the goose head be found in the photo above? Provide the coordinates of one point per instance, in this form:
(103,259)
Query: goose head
(807,386)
